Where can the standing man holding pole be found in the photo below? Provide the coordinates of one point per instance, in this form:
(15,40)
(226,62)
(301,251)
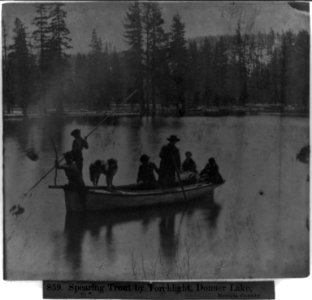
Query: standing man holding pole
(79,144)
(170,162)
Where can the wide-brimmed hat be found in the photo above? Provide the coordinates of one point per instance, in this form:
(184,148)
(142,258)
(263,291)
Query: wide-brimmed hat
(144,158)
(211,160)
(173,138)
(75,132)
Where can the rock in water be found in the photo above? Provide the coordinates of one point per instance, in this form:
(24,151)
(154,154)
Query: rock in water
(32,154)
(17,210)
(304,154)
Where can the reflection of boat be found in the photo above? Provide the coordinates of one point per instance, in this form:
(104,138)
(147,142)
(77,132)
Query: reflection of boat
(128,196)
(101,227)
(95,221)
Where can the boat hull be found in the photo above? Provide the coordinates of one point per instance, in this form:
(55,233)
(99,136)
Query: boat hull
(99,199)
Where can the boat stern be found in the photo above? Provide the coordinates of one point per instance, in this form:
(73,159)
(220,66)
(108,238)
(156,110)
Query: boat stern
(74,200)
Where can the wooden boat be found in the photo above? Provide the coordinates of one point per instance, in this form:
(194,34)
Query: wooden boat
(129,196)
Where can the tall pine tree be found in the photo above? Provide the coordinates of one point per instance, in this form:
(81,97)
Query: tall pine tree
(96,70)
(133,35)
(20,67)
(240,50)
(155,42)
(60,40)
(220,69)
(41,37)
(7,100)
(178,57)
(59,43)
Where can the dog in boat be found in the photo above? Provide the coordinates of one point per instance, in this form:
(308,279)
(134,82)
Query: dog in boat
(108,168)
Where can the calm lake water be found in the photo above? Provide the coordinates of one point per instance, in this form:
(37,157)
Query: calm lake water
(254,226)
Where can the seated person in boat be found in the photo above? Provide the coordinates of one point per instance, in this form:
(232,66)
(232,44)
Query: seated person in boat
(72,172)
(146,177)
(211,173)
(108,168)
(189,170)
(189,164)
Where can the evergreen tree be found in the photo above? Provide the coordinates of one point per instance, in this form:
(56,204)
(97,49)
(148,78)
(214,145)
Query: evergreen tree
(286,63)
(178,56)
(133,35)
(20,67)
(194,73)
(95,44)
(81,88)
(7,100)
(96,71)
(155,43)
(207,71)
(59,40)
(116,78)
(240,50)
(41,37)
(301,70)
(220,68)
(58,45)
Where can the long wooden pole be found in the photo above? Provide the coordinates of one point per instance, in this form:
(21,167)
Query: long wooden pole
(56,158)
(111,113)
(179,178)
(61,159)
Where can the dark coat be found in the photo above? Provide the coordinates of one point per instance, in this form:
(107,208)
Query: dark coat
(78,145)
(146,174)
(73,175)
(189,165)
(169,163)
(211,174)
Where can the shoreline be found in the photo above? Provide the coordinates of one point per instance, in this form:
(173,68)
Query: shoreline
(78,114)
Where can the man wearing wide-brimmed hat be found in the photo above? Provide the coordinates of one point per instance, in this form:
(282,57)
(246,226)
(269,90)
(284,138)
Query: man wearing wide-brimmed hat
(78,145)
(170,162)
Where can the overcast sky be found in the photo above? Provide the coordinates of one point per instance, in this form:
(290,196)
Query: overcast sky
(200,18)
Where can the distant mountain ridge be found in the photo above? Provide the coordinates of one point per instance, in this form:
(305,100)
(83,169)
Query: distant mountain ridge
(253,17)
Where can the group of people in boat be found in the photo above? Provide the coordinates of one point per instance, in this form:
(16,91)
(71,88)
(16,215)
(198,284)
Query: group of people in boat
(171,172)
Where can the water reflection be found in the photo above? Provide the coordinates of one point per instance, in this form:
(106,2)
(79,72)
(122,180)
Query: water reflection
(101,246)
(74,233)
(35,134)
(211,213)
(170,219)
(168,238)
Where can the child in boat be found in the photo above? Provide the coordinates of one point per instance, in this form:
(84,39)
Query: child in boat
(109,169)
(189,164)
(146,177)
(211,173)
(189,169)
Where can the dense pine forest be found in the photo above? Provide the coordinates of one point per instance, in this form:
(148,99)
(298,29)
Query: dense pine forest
(41,71)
